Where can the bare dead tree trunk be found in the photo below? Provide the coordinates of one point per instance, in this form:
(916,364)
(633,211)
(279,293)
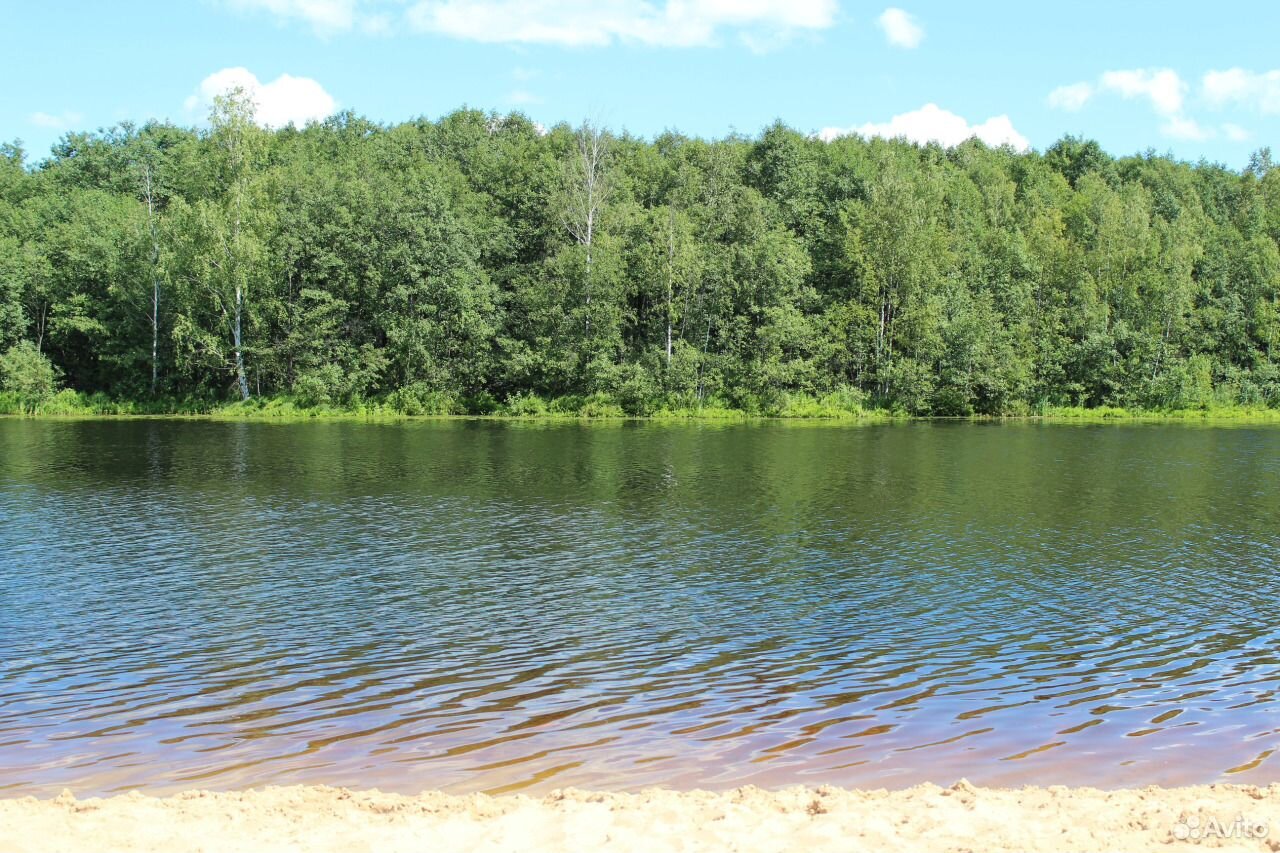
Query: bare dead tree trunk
(671,262)
(1271,328)
(232,119)
(41,324)
(236,268)
(588,191)
(706,344)
(149,196)
(236,339)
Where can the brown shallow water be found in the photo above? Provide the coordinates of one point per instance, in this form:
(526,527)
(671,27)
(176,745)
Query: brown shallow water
(486,606)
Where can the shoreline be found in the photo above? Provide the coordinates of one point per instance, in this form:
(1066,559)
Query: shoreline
(872,417)
(600,408)
(924,818)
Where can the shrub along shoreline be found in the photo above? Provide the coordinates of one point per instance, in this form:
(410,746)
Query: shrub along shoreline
(598,407)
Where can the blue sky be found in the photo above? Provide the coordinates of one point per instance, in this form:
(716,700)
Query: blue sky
(1194,79)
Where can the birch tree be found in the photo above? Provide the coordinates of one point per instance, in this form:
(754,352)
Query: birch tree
(587,191)
(145,166)
(897,250)
(235,134)
(667,270)
(216,251)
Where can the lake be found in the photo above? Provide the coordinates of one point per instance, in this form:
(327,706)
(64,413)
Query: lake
(488,606)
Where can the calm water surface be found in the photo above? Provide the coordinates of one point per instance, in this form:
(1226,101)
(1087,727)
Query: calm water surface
(487,606)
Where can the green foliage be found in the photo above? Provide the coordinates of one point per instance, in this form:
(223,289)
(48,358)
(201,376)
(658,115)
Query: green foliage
(477,266)
(842,403)
(1116,413)
(480,403)
(525,405)
(323,385)
(28,375)
(421,399)
(600,406)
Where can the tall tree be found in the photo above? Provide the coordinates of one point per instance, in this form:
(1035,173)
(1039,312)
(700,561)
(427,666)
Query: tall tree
(145,165)
(217,250)
(587,188)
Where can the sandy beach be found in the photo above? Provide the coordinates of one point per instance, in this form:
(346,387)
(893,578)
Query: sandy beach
(925,818)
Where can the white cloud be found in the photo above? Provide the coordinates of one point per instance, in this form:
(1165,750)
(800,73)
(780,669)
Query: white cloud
(380,24)
(900,28)
(285,100)
(1071,98)
(578,23)
(1258,90)
(931,123)
(61,121)
(760,24)
(325,16)
(1162,86)
(522,97)
(1236,133)
(1181,127)
(1167,94)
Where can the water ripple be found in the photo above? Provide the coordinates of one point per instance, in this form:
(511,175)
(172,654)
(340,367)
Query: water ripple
(477,606)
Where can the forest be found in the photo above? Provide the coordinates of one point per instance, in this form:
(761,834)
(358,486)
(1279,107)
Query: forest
(482,264)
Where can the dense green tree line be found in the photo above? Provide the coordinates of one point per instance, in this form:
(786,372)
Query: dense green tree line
(478,262)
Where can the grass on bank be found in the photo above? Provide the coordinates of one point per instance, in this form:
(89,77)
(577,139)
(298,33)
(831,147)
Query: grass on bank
(845,405)
(839,405)
(1114,413)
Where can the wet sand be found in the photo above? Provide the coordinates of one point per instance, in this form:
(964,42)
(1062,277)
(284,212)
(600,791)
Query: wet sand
(924,819)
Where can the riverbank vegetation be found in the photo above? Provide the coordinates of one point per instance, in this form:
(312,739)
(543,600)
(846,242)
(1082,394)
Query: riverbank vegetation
(482,265)
(72,404)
